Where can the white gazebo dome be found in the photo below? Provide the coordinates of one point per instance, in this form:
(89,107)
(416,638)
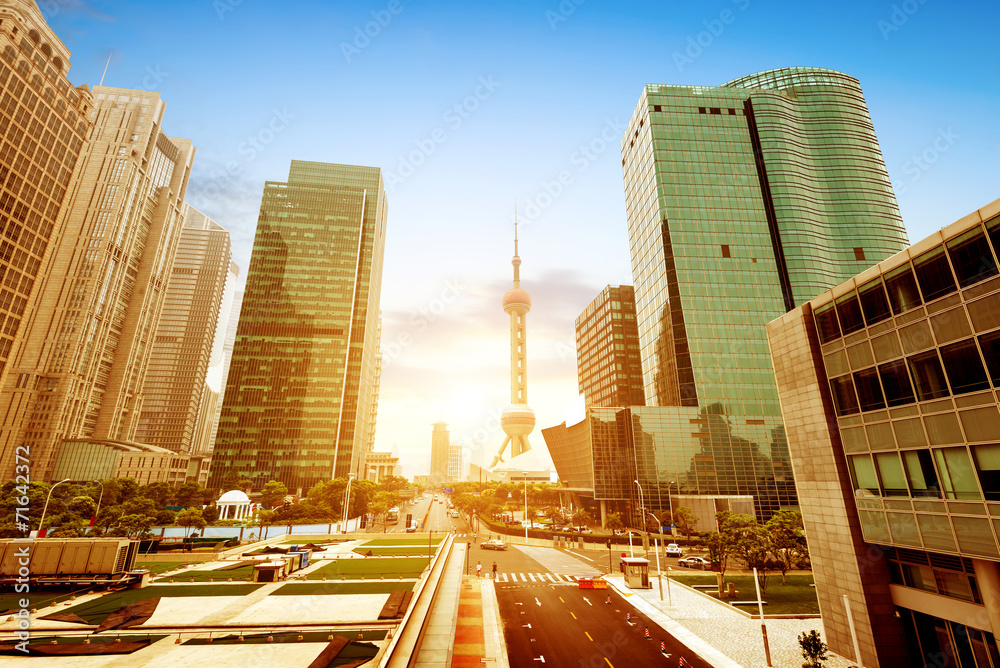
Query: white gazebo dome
(234,496)
(234,505)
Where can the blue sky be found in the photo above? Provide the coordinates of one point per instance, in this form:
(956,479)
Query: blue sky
(467,106)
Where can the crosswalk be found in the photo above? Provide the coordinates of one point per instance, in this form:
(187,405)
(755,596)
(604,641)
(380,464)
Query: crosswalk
(537,578)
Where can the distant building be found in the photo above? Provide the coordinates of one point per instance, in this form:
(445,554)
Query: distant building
(454,463)
(84,460)
(178,408)
(440,443)
(231,311)
(607,350)
(44,122)
(298,395)
(889,389)
(87,345)
(379,465)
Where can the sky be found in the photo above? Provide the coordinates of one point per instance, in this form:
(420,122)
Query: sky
(470,107)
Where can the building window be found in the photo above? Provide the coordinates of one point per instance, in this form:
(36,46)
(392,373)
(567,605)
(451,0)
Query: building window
(934,274)
(928,376)
(920,474)
(896,383)
(988,467)
(971,256)
(965,369)
(863,474)
(870,395)
(844,399)
(990,344)
(873,302)
(732,112)
(826,323)
(859,254)
(701,110)
(725,251)
(890,472)
(902,290)
(957,477)
(716,110)
(849,311)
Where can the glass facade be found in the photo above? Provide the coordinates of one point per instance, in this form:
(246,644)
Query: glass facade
(607,350)
(301,377)
(744,200)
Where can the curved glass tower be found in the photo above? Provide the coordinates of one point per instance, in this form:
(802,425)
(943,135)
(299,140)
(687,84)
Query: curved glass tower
(744,200)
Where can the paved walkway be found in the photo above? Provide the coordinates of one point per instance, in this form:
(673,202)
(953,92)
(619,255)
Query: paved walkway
(732,638)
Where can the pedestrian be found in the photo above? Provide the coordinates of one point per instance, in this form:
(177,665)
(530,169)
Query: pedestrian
(479,569)
(494,570)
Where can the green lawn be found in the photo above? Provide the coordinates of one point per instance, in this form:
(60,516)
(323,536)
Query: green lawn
(237,574)
(157,567)
(408,567)
(400,551)
(795,597)
(325,588)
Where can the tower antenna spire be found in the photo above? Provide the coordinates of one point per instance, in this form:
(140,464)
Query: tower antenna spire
(106,67)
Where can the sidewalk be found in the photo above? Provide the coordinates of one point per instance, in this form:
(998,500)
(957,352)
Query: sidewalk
(718,632)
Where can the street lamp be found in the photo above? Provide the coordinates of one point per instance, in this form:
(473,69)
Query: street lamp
(670,500)
(525,507)
(46,506)
(659,574)
(99,499)
(347,499)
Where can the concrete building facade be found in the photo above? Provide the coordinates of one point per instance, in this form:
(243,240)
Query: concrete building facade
(81,369)
(298,394)
(889,389)
(178,407)
(44,122)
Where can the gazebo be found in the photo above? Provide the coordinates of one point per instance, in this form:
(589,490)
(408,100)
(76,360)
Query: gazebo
(234,505)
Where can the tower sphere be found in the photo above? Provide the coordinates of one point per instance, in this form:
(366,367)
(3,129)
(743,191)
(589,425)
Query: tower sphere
(517,420)
(516,298)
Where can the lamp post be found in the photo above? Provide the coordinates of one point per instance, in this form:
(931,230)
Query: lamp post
(347,500)
(525,507)
(46,506)
(659,574)
(670,500)
(99,499)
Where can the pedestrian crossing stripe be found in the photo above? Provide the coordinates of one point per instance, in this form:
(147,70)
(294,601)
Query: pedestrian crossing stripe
(535,577)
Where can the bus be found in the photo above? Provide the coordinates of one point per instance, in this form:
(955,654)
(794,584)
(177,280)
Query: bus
(392,517)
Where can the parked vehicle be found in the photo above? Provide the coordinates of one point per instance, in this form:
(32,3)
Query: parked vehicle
(698,563)
(493,544)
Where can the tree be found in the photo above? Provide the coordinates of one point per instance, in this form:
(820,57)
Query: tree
(751,543)
(210,513)
(685,521)
(140,505)
(787,541)
(813,649)
(613,521)
(135,525)
(190,518)
(187,492)
(718,550)
(157,492)
(83,507)
(580,518)
(273,493)
(264,519)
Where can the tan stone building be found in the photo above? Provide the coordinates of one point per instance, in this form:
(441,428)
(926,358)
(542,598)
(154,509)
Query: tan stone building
(889,389)
(178,408)
(43,126)
(80,370)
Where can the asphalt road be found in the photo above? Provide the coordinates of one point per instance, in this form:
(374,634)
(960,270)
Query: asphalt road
(562,625)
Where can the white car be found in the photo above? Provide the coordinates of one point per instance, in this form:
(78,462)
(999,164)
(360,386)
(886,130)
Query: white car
(674,550)
(697,563)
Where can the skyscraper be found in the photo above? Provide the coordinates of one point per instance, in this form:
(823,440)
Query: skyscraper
(607,350)
(743,200)
(81,369)
(298,392)
(43,125)
(517,419)
(175,398)
(440,443)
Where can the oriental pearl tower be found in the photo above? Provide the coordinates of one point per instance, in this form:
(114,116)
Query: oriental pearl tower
(517,420)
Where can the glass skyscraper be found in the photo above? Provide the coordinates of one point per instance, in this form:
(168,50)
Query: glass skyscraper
(301,377)
(743,200)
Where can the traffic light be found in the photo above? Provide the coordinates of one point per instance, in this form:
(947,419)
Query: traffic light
(409,519)
(364,521)
(608,543)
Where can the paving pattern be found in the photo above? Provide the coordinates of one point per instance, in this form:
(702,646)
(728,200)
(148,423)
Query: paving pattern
(558,562)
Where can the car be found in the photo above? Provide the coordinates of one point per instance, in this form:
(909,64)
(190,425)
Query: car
(698,563)
(493,544)
(674,550)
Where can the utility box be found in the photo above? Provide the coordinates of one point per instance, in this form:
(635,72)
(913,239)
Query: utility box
(636,572)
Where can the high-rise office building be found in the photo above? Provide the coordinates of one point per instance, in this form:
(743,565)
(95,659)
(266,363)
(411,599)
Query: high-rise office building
(440,443)
(454,463)
(299,387)
(890,388)
(175,397)
(607,350)
(743,200)
(43,126)
(218,364)
(231,324)
(80,371)
(373,401)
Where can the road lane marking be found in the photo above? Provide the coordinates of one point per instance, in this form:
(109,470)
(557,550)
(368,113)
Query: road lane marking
(588,601)
(561,599)
(574,616)
(609,663)
(532,576)
(538,602)
(579,555)
(588,636)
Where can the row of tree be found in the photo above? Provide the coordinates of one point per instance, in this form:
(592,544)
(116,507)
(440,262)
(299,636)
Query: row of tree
(777,545)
